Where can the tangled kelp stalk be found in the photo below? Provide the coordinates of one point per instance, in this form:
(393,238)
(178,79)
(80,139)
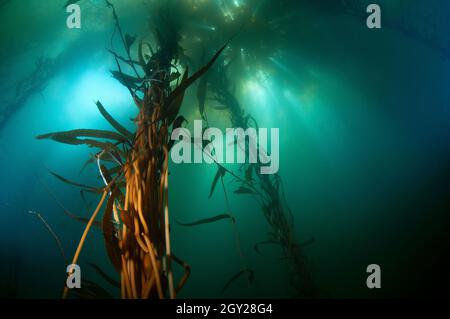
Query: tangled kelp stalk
(267,190)
(135,220)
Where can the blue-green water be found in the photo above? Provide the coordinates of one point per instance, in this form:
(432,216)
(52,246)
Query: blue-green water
(364,130)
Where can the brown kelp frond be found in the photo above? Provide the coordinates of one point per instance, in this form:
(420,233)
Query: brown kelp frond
(209,220)
(135,219)
(50,230)
(121,129)
(249,272)
(83,237)
(67,181)
(73,137)
(220,173)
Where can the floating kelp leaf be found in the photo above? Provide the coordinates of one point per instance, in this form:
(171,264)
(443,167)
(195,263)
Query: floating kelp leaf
(129,40)
(72,137)
(121,129)
(209,220)
(251,278)
(111,242)
(105,276)
(67,181)
(244,190)
(68,138)
(220,173)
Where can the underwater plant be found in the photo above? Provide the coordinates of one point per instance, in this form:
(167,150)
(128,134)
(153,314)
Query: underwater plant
(267,190)
(34,83)
(135,219)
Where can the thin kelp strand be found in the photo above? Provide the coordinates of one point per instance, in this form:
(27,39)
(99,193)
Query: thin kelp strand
(50,230)
(119,28)
(237,276)
(167,224)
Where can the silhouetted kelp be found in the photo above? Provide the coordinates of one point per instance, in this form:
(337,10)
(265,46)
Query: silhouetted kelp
(34,83)
(135,220)
(267,190)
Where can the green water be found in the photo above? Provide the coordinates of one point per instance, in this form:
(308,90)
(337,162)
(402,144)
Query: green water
(364,130)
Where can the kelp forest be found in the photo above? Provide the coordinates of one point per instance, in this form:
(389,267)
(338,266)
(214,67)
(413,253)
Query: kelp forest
(133,208)
(102,176)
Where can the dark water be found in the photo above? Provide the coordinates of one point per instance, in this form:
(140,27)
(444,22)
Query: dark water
(364,140)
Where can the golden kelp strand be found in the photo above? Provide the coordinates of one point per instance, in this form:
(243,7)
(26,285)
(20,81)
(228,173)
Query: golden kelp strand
(83,237)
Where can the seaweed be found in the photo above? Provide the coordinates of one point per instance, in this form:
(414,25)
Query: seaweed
(267,190)
(135,222)
(249,272)
(209,220)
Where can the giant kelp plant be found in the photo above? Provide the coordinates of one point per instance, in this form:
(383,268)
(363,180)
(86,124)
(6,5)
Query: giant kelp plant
(135,219)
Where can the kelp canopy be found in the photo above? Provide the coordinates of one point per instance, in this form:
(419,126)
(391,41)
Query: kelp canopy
(135,218)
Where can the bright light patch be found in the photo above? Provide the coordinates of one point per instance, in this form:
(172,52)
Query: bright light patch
(92,86)
(256,91)
(257,88)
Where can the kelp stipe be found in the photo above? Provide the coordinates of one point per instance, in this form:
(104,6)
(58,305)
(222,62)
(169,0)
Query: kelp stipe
(135,220)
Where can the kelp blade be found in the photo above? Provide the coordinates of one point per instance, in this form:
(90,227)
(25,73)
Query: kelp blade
(119,127)
(208,220)
(250,273)
(220,173)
